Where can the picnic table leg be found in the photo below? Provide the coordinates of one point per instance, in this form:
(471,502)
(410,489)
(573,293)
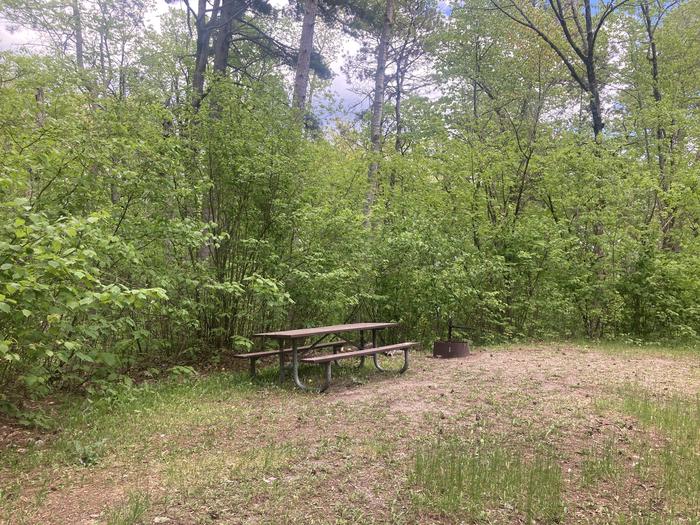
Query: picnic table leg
(326,376)
(281,345)
(295,365)
(374,356)
(252,366)
(362,347)
(405,361)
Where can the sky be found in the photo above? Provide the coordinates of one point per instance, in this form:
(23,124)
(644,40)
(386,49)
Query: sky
(13,40)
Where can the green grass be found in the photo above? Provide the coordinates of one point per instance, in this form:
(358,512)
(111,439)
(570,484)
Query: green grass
(123,427)
(471,478)
(210,444)
(616,347)
(601,465)
(92,428)
(177,420)
(641,517)
(311,375)
(636,348)
(129,512)
(676,461)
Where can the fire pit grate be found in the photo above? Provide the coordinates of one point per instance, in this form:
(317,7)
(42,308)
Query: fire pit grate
(451,349)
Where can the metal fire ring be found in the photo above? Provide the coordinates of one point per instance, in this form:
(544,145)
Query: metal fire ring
(451,349)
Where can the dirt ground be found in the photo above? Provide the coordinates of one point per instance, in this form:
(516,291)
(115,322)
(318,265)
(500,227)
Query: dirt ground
(272,455)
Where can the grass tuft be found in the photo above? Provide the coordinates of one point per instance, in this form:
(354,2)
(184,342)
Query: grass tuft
(601,465)
(455,477)
(129,512)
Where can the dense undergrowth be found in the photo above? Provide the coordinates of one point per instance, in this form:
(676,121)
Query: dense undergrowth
(141,228)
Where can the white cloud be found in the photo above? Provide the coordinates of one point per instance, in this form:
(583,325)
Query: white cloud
(14,40)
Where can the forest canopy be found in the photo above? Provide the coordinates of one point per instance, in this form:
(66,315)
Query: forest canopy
(166,190)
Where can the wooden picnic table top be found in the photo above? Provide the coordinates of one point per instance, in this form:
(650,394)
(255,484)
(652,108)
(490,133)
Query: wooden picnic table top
(301,333)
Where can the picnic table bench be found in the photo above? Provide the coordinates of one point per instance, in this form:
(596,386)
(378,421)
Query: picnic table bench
(254,356)
(363,349)
(327,360)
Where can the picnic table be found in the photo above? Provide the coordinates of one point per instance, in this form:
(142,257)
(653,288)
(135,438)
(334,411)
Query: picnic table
(294,337)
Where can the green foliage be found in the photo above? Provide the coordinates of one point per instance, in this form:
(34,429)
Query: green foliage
(53,280)
(98,252)
(88,454)
(145,231)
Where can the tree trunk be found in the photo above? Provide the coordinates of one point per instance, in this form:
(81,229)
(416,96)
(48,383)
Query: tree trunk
(591,75)
(398,144)
(306,43)
(596,109)
(222,43)
(78,28)
(477,74)
(203,29)
(378,106)
(580,41)
(201,53)
(666,218)
(41,103)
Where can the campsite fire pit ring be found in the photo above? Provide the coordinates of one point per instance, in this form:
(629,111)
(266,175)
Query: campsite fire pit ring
(451,349)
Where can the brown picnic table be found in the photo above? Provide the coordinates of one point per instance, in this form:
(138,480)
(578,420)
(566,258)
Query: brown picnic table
(294,337)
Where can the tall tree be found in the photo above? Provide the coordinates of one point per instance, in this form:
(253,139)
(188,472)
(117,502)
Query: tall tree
(378,105)
(652,15)
(78,29)
(416,21)
(576,42)
(306,43)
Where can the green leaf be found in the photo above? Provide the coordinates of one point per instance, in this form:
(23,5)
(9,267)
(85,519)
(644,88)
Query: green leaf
(84,357)
(108,358)
(32,380)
